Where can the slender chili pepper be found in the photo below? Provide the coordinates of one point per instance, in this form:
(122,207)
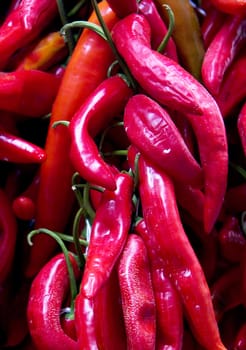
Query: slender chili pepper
(222,51)
(84,72)
(151,129)
(138,302)
(108,234)
(169,84)
(105,102)
(48,51)
(234,80)
(8,236)
(29,93)
(186,34)
(226,291)
(241,126)
(123,8)
(48,290)
(17,150)
(162,219)
(158,28)
(169,311)
(234,7)
(23,24)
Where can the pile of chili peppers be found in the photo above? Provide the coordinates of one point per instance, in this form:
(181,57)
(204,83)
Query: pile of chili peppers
(123,181)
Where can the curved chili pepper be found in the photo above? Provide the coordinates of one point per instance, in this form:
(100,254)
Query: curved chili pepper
(23,24)
(108,234)
(168,303)
(29,93)
(83,74)
(8,236)
(234,80)
(234,7)
(241,126)
(17,150)
(221,52)
(186,34)
(106,102)
(48,290)
(138,302)
(158,28)
(123,8)
(151,129)
(168,83)
(162,219)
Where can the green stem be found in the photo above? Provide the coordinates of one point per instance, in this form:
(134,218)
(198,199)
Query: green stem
(76,238)
(86,201)
(239,169)
(64,20)
(171,25)
(72,281)
(76,8)
(82,24)
(61,122)
(119,152)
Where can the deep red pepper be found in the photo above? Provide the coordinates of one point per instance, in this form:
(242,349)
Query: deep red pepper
(48,291)
(169,310)
(83,74)
(123,8)
(23,24)
(151,129)
(30,93)
(108,234)
(158,28)
(234,7)
(169,84)
(224,47)
(17,150)
(235,198)
(162,219)
(241,126)
(8,227)
(138,302)
(106,102)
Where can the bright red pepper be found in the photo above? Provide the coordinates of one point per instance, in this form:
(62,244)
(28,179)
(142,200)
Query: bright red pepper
(169,84)
(234,7)
(105,102)
(108,234)
(138,302)
(123,8)
(151,129)
(224,47)
(48,290)
(23,24)
(83,74)
(162,219)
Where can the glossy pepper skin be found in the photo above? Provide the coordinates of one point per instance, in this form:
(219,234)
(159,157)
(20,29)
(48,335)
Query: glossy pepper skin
(105,102)
(17,150)
(123,8)
(151,129)
(138,302)
(83,74)
(29,93)
(23,24)
(108,234)
(169,84)
(234,7)
(162,219)
(8,226)
(186,34)
(48,290)
(226,44)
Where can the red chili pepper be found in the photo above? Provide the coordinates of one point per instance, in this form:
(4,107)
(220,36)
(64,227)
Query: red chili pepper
(123,8)
(221,52)
(106,102)
(162,219)
(17,150)
(158,28)
(234,7)
(108,234)
(48,291)
(138,302)
(151,129)
(169,310)
(8,236)
(29,93)
(169,84)
(83,74)
(241,126)
(23,24)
